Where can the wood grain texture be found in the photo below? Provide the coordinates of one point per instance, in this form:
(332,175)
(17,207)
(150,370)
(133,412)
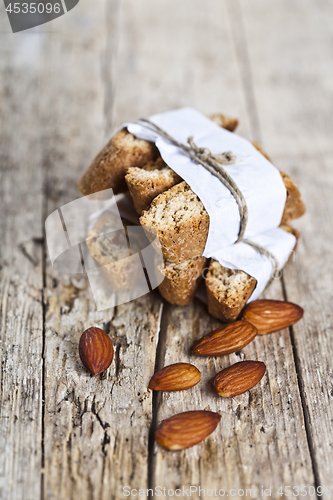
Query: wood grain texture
(247,451)
(62,91)
(96,437)
(21,278)
(240,455)
(296,71)
(170,55)
(96,428)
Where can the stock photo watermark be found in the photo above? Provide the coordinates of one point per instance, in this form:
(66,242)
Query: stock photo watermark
(88,236)
(198,491)
(28,14)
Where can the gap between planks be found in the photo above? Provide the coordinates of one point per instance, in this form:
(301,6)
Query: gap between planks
(248,91)
(239,38)
(44,270)
(157,396)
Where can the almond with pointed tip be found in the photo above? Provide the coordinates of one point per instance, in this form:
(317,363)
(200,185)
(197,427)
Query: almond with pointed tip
(186,429)
(96,350)
(176,377)
(238,378)
(226,339)
(270,316)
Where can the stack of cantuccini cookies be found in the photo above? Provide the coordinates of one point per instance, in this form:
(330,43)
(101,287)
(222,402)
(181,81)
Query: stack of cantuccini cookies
(171,210)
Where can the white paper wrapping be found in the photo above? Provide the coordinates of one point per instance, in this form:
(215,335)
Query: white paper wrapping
(259,181)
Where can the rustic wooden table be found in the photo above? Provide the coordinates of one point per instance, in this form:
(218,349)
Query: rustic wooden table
(63,89)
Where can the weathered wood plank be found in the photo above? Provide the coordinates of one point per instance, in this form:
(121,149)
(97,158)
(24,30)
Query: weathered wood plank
(172,55)
(96,436)
(296,71)
(292,75)
(96,428)
(261,438)
(227,459)
(21,278)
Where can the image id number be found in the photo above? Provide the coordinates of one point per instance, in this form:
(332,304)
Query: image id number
(297,491)
(33,8)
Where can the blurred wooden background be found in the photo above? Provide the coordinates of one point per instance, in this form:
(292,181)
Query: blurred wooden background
(64,87)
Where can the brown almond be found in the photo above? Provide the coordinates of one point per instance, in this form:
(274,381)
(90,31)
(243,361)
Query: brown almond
(186,429)
(271,315)
(175,377)
(238,378)
(96,350)
(226,339)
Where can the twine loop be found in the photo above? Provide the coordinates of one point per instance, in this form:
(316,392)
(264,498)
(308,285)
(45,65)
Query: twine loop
(205,154)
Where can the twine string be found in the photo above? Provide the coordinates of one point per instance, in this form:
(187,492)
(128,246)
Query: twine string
(214,164)
(269,255)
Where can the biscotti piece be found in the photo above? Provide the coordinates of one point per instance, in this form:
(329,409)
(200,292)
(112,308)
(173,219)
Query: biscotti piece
(180,221)
(146,183)
(181,280)
(223,121)
(228,290)
(110,250)
(294,207)
(105,242)
(108,169)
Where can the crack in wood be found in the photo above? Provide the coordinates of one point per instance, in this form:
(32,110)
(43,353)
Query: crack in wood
(27,253)
(239,36)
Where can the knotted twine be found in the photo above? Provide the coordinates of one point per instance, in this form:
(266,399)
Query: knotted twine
(214,164)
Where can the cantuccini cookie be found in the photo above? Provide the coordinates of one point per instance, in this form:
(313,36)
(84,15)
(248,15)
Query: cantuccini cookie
(145,183)
(109,167)
(181,280)
(180,221)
